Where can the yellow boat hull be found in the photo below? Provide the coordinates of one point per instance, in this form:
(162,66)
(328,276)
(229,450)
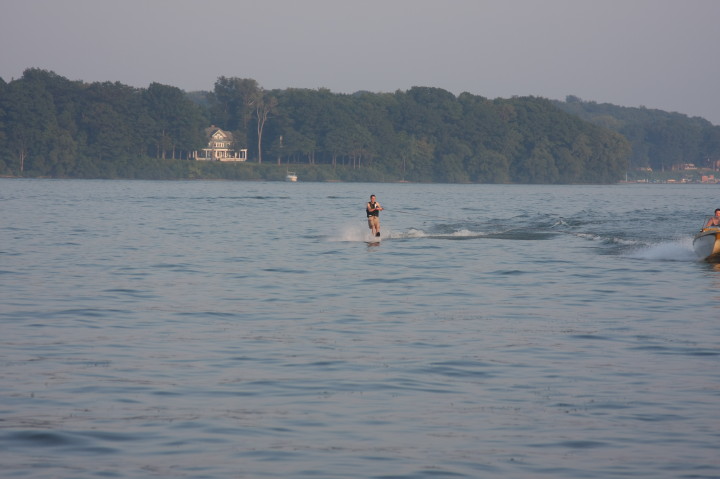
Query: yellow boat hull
(707,244)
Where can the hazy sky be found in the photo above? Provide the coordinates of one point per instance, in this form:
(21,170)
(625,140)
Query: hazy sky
(661,54)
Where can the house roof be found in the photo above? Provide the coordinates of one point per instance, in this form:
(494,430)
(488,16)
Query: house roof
(213,130)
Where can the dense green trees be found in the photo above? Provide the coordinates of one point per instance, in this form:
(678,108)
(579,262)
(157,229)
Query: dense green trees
(51,126)
(658,139)
(176,124)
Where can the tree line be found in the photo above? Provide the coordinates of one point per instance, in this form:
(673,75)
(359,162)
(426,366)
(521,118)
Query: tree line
(659,139)
(51,126)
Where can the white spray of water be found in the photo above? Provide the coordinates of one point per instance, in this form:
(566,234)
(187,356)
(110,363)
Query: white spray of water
(678,250)
(355,232)
(352,232)
(359,233)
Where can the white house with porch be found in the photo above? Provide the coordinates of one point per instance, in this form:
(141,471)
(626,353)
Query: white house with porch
(221,147)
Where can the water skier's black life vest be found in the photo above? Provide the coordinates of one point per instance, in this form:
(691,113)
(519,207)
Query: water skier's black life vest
(372,213)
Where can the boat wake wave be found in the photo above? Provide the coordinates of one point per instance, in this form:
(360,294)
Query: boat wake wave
(675,250)
(360,234)
(458,234)
(616,242)
(679,250)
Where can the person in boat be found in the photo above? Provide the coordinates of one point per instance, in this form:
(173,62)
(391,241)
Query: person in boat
(715,220)
(373,210)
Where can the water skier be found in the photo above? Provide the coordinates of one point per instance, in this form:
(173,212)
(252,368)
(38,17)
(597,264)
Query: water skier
(373,210)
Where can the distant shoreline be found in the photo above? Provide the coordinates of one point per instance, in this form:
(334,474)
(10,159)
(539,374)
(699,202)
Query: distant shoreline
(255,180)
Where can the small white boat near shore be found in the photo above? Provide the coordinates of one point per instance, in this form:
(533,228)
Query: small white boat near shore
(707,244)
(290,176)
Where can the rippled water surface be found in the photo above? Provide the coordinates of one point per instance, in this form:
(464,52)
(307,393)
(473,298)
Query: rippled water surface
(222,329)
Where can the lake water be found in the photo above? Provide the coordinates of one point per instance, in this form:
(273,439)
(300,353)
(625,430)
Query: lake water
(248,330)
